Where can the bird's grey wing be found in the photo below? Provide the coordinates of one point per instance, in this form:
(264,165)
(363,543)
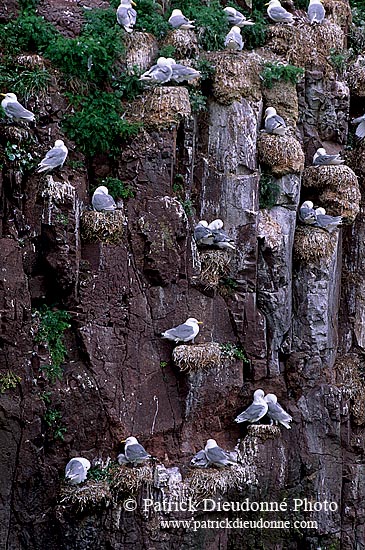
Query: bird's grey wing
(307,215)
(74,468)
(181,73)
(18,111)
(316,13)
(324,220)
(217,455)
(126,16)
(121,458)
(276,412)
(54,157)
(161,73)
(135,452)
(273,123)
(220,236)
(280,14)
(103,202)
(253,413)
(178,20)
(182,332)
(200,460)
(360,130)
(326,159)
(201,232)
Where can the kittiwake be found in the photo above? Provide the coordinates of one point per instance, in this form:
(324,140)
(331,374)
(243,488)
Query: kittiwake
(221,239)
(274,124)
(133,452)
(316,12)
(321,158)
(202,234)
(14,109)
(54,158)
(256,410)
(216,455)
(307,214)
(159,73)
(102,201)
(126,15)
(325,221)
(179,21)
(234,40)
(199,460)
(237,18)
(360,130)
(183,333)
(277,13)
(181,72)
(76,470)
(276,412)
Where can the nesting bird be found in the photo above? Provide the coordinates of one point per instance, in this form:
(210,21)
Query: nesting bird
(15,110)
(316,12)
(126,15)
(102,201)
(179,21)
(183,333)
(307,214)
(199,460)
(213,455)
(54,158)
(203,235)
(181,73)
(277,13)
(76,470)
(236,18)
(325,221)
(159,73)
(321,158)
(134,453)
(276,412)
(360,130)
(233,41)
(220,238)
(256,410)
(274,124)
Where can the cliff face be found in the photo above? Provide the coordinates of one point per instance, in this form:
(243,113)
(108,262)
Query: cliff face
(292,298)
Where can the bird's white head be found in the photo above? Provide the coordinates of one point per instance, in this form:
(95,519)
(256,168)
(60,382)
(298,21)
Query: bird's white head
(170,61)
(270,111)
(162,61)
(321,151)
(307,204)
(216,224)
(258,394)
(59,143)
(203,223)
(230,10)
(210,444)
(176,12)
(271,398)
(10,96)
(131,441)
(102,190)
(320,210)
(273,3)
(236,30)
(192,321)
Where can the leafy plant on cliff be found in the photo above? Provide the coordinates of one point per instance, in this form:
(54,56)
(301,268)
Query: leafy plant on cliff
(198,101)
(52,418)
(24,82)
(28,32)
(97,125)
(52,325)
(269,191)
(21,159)
(127,85)
(117,189)
(274,72)
(234,351)
(150,18)
(9,381)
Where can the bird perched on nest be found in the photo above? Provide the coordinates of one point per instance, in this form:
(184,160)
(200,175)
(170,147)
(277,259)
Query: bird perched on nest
(321,158)
(277,13)
(126,15)
(54,158)
(216,456)
(316,12)
(180,73)
(15,110)
(220,238)
(76,470)
(360,130)
(236,18)
(325,221)
(102,201)
(183,333)
(179,21)
(203,235)
(307,214)
(199,460)
(233,40)
(276,412)
(134,453)
(256,410)
(274,124)
(159,73)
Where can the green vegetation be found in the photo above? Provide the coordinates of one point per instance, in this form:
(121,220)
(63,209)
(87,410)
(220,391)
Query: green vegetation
(116,188)
(52,418)
(206,68)
(339,60)
(23,161)
(163,364)
(198,101)
(52,325)
(187,206)
(234,351)
(28,32)
(274,72)
(166,51)
(24,82)
(255,36)
(269,191)
(97,125)
(149,18)
(100,474)
(61,218)
(127,85)
(229,283)
(9,381)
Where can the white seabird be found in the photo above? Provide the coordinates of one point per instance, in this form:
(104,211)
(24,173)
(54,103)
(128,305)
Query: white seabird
(276,412)
(183,333)
(179,21)
(325,221)
(202,234)
(159,73)
(234,40)
(360,130)
(76,470)
(307,214)
(54,158)
(237,18)
(102,201)
(180,72)
(316,12)
(199,460)
(126,15)
(216,455)
(134,453)
(321,158)
(14,109)
(221,239)
(256,410)
(277,13)
(274,124)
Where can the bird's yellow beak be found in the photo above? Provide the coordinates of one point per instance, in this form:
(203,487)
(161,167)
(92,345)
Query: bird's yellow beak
(3,94)
(200,322)
(123,440)
(133,3)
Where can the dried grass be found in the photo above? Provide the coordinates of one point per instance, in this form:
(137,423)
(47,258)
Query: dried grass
(106,227)
(30,61)
(263,431)
(214,266)
(129,480)
(312,244)
(270,231)
(208,482)
(282,154)
(351,381)
(185,43)
(338,11)
(141,50)
(356,77)
(161,107)
(197,357)
(86,496)
(284,98)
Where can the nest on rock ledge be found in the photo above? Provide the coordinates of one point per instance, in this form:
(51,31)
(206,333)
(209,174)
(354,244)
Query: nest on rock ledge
(263,431)
(203,483)
(282,154)
(106,227)
(304,44)
(197,357)
(87,496)
(130,479)
(185,43)
(283,97)
(161,107)
(141,50)
(356,77)
(340,189)
(350,380)
(312,244)
(214,266)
